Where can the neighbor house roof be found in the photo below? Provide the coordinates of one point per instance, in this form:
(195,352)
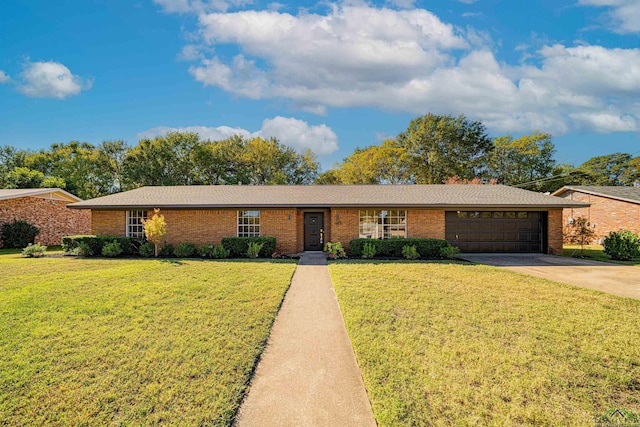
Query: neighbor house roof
(627,194)
(316,196)
(43,193)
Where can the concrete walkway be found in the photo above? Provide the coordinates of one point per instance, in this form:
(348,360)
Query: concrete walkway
(622,280)
(308,375)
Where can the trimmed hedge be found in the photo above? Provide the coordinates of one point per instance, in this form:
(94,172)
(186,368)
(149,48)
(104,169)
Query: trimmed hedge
(238,246)
(393,247)
(129,245)
(17,234)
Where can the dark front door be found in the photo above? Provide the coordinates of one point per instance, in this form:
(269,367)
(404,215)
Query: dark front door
(313,231)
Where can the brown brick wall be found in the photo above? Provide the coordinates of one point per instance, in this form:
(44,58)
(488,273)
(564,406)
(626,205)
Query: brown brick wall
(282,225)
(108,223)
(554,232)
(606,214)
(345,226)
(422,223)
(205,226)
(52,217)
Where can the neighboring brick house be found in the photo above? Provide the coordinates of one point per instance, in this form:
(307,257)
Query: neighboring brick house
(476,218)
(611,208)
(46,208)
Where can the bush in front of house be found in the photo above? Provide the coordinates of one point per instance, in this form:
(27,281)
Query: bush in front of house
(238,246)
(205,251)
(368,250)
(622,245)
(34,250)
(147,250)
(111,249)
(254,249)
(335,250)
(410,252)
(129,245)
(184,250)
(18,234)
(429,248)
(450,252)
(166,251)
(219,252)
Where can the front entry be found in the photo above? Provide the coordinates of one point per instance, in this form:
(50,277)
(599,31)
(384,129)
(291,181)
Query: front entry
(313,231)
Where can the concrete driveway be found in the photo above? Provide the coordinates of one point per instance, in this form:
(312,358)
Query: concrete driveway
(615,279)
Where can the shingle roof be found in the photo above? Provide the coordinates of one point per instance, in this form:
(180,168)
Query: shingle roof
(15,193)
(233,196)
(627,194)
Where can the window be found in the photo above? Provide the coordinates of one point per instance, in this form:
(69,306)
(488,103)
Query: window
(135,227)
(383,224)
(248,223)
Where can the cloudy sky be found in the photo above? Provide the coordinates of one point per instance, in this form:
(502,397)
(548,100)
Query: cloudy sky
(324,75)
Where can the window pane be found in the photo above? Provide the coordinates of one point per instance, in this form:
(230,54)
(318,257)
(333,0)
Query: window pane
(510,215)
(462,214)
(486,215)
(498,214)
(523,215)
(248,223)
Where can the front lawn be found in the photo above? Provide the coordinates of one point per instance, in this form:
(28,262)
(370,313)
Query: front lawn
(131,342)
(596,253)
(460,344)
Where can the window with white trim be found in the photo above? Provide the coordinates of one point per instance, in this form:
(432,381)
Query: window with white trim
(383,224)
(135,227)
(248,223)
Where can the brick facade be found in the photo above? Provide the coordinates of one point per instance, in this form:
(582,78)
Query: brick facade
(554,232)
(605,214)
(52,217)
(209,226)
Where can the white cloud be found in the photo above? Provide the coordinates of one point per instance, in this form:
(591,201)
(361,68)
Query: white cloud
(4,78)
(357,55)
(50,80)
(199,6)
(624,15)
(291,132)
(299,135)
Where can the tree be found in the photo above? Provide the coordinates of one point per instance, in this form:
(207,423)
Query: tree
(579,232)
(10,158)
(388,163)
(154,229)
(24,178)
(165,160)
(220,162)
(523,160)
(444,146)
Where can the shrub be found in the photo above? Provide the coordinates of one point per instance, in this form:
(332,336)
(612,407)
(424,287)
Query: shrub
(238,246)
(277,254)
(184,250)
(368,250)
(410,252)
(83,250)
(166,251)
(129,245)
(254,249)
(205,251)
(220,252)
(335,250)
(393,247)
(449,252)
(622,245)
(112,249)
(147,250)
(34,251)
(18,234)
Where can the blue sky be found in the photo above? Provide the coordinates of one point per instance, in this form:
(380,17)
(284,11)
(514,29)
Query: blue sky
(323,75)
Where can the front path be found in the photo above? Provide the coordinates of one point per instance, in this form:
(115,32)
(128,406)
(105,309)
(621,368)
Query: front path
(308,375)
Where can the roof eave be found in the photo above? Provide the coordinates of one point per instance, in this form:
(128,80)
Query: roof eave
(594,193)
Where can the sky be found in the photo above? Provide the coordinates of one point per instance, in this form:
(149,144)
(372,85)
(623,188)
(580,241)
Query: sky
(330,76)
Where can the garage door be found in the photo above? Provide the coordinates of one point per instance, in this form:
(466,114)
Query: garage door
(496,231)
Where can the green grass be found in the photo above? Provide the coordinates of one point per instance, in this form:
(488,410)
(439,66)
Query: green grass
(596,253)
(131,342)
(50,250)
(462,344)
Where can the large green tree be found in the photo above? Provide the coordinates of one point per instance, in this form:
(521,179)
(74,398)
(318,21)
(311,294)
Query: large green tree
(527,159)
(444,146)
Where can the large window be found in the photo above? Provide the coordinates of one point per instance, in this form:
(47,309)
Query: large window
(248,223)
(135,227)
(383,224)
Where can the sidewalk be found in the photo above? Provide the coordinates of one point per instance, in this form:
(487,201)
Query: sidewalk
(308,375)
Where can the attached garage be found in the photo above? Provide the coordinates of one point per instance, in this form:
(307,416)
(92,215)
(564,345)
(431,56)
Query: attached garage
(497,231)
